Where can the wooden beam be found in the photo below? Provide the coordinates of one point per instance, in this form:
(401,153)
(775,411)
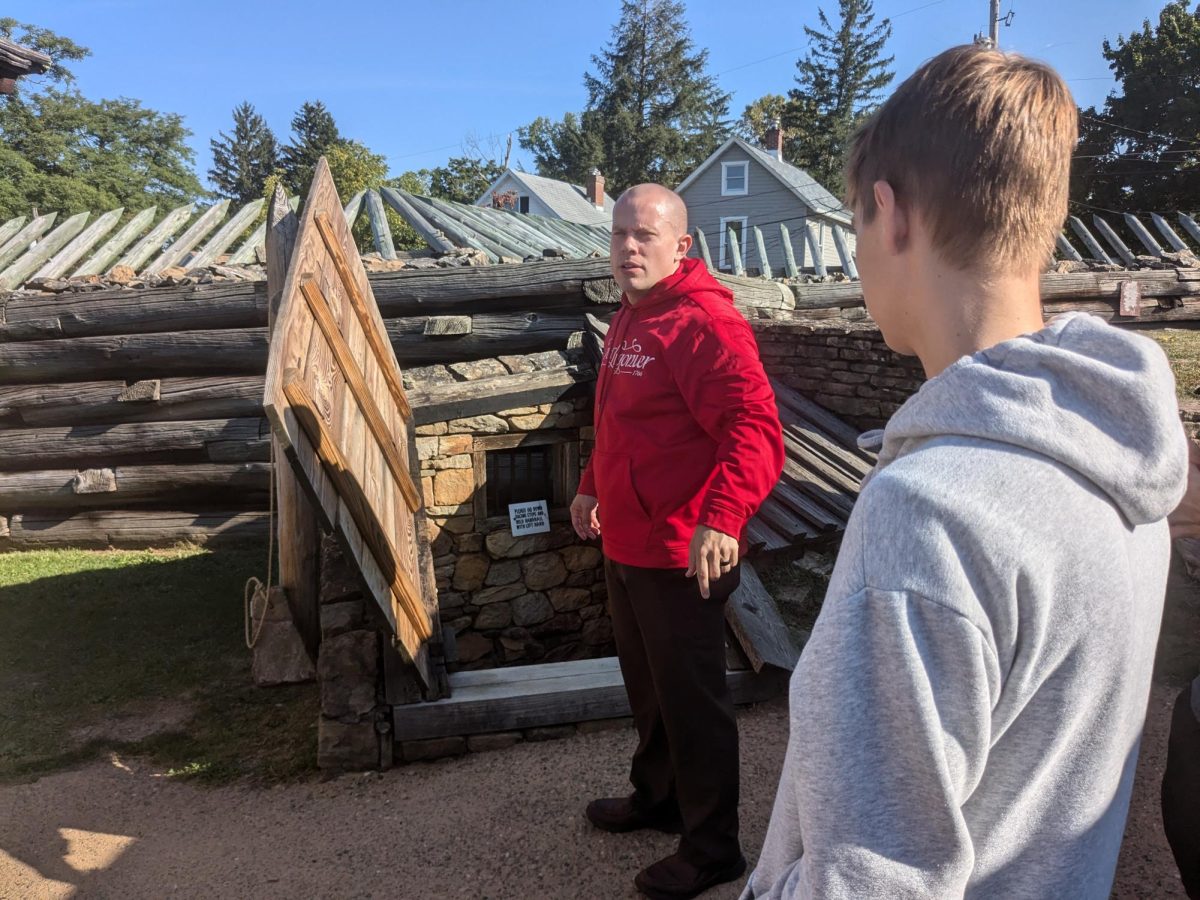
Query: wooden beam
(702,245)
(38,255)
(755,621)
(384,357)
(789,256)
(463,399)
(336,467)
(152,243)
(815,249)
(228,233)
(761,246)
(1089,241)
(843,251)
(410,214)
(380,230)
(237,485)
(134,528)
(19,242)
(520,697)
(1115,241)
(1177,243)
(1142,234)
(248,251)
(344,357)
(1190,226)
(1065,248)
(99,261)
(10,228)
(83,242)
(735,252)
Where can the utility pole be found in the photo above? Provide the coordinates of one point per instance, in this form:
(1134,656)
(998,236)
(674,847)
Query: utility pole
(994,24)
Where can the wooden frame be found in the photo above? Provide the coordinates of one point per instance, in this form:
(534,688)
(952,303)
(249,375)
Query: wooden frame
(564,470)
(335,402)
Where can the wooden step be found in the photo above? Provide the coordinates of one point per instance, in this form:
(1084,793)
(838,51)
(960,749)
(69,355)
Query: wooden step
(520,697)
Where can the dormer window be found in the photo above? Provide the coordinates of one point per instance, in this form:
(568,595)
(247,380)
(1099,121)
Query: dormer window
(735,178)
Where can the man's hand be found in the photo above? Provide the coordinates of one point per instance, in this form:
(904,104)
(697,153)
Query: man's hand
(710,556)
(584,517)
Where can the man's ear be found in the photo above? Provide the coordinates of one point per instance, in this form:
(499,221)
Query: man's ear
(685,244)
(893,217)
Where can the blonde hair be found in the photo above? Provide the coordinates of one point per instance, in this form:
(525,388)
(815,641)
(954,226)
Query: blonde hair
(979,143)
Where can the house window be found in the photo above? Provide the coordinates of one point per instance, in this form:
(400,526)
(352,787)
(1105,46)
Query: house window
(516,476)
(738,225)
(735,178)
(523,203)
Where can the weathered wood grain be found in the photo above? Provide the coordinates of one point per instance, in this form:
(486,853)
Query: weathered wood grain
(235,485)
(133,528)
(99,261)
(754,619)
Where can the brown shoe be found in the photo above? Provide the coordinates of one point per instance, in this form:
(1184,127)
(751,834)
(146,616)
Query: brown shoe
(674,878)
(620,814)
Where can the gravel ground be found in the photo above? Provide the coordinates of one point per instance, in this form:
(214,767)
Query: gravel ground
(506,824)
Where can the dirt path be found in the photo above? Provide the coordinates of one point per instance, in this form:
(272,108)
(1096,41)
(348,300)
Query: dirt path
(496,825)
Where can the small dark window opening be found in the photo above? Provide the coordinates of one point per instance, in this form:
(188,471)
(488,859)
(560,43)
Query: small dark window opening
(523,204)
(517,476)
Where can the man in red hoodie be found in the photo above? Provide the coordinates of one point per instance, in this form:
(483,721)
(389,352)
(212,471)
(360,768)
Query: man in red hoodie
(688,444)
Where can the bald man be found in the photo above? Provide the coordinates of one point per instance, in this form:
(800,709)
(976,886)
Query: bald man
(688,444)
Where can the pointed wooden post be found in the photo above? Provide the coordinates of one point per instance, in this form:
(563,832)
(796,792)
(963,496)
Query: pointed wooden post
(99,261)
(379,226)
(735,252)
(1089,241)
(789,256)
(1115,242)
(843,249)
(1190,226)
(761,246)
(1065,248)
(1143,234)
(704,253)
(298,535)
(814,247)
(1168,232)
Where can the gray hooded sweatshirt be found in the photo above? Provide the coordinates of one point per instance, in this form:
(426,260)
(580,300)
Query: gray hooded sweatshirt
(965,719)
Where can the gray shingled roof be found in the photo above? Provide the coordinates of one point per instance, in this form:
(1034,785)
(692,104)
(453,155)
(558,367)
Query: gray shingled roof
(569,201)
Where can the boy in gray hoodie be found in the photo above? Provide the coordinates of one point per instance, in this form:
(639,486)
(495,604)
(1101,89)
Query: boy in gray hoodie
(965,719)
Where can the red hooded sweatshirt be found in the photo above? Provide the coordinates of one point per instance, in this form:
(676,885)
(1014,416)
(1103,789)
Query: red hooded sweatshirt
(687,432)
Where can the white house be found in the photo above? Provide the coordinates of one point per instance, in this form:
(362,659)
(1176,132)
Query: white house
(520,191)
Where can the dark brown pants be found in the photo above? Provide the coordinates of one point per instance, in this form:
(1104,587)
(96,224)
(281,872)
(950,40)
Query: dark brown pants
(671,645)
(1181,792)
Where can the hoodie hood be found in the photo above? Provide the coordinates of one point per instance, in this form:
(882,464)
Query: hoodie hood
(691,276)
(1097,399)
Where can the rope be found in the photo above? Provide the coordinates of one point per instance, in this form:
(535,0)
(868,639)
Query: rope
(253,584)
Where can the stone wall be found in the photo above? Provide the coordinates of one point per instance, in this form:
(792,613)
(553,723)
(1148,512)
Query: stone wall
(843,365)
(511,600)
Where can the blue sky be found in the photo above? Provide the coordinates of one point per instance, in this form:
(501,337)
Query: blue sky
(413,81)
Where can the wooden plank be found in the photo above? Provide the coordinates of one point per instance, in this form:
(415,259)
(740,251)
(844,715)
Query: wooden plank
(843,250)
(1089,241)
(1115,241)
(702,246)
(755,621)
(368,322)
(319,307)
(410,214)
(735,252)
(38,255)
(19,242)
(789,256)
(297,532)
(218,440)
(106,402)
(351,495)
(462,235)
(235,485)
(521,439)
(134,528)
(227,234)
(1142,234)
(765,538)
(579,697)
(380,230)
(152,243)
(83,242)
(352,208)
(761,246)
(1190,226)
(814,249)
(461,400)
(248,251)
(785,522)
(1174,240)
(99,261)
(818,415)
(196,232)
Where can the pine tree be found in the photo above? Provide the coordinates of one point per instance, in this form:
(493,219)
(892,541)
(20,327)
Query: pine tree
(653,113)
(313,133)
(840,82)
(243,161)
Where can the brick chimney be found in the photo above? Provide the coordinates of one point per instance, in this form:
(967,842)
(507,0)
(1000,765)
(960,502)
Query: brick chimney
(595,188)
(775,140)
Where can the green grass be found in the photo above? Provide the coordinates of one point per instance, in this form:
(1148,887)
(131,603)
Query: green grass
(95,646)
(1182,346)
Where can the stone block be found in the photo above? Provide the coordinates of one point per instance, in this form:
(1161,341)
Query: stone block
(531,609)
(347,668)
(468,543)
(279,654)
(542,571)
(590,612)
(427,490)
(469,571)
(518,411)
(428,375)
(433,748)
(503,572)
(433,428)
(494,616)
(462,461)
(561,623)
(598,631)
(452,486)
(486,424)
(579,557)
(347,746)
(339,579)
(427,448)
(500,740)
(453,444)
(580,579)
(472,647)
(479,368)
(533,422)
(565,599)
(498,594)
(518,365)
(338,618)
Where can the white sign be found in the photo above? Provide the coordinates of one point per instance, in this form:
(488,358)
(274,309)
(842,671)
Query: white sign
(529,518)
